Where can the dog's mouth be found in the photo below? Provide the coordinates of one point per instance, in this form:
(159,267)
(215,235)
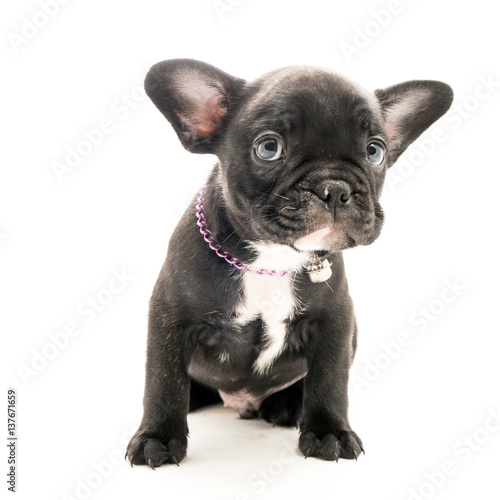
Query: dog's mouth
(314,227)
(299,217)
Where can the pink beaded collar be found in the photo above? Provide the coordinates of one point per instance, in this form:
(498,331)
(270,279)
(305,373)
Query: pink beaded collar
(215,246)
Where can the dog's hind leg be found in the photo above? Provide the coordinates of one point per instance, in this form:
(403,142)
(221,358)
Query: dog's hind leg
(200,395)
(284,408)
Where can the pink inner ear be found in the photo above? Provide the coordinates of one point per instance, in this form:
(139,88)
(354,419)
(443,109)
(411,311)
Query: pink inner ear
(395,114)
(204,108)
(207,116)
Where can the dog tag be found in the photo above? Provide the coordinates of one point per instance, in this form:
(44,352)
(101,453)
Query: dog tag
(321,272)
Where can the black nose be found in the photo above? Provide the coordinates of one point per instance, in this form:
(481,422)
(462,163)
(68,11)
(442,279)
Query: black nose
(334,193)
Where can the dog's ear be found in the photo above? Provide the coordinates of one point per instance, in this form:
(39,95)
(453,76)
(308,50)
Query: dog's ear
(194,97)
(409,108)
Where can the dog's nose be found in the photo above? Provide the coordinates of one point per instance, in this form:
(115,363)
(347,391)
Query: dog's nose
(335,193)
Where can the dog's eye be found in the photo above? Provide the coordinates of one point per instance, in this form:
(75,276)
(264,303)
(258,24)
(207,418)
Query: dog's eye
(269,149)
(375,153)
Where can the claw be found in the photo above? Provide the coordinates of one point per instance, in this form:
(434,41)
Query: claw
(174,459)
(150,463)
(306,454)
(131,458)
(352,449)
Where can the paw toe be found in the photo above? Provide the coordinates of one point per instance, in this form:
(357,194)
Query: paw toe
(326,448)
(351,445)
(331,446)
(148,450)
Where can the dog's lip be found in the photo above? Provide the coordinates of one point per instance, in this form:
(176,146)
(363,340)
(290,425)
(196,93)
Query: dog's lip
(316,239)
(319,234)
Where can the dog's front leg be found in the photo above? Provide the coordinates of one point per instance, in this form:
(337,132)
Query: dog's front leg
(162,435)
(325,431)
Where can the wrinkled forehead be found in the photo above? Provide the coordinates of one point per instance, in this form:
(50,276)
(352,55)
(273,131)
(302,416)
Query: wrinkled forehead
(309,98)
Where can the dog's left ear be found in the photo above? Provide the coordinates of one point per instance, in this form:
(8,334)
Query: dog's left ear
(409,108)
(194,97)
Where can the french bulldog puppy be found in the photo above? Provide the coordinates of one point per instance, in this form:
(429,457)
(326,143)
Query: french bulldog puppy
(252,307)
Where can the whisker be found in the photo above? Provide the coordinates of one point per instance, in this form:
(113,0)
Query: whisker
(241,239)
(225,239)
(283,197)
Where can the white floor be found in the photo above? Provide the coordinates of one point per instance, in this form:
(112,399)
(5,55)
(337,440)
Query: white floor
(233,459)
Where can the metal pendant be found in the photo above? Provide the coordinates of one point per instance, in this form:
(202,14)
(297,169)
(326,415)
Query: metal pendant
(320,272)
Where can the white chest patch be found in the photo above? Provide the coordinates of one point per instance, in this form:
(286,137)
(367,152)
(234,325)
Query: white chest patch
(270,297)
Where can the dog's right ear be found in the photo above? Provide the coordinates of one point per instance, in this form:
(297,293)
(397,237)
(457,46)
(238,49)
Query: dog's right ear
(194,97)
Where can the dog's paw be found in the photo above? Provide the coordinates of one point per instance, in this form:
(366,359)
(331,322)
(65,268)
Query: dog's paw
(342,444)
(281,409)
(146,449)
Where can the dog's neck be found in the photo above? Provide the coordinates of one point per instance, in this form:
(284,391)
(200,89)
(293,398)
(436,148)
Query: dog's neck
(274,267)
(223,239)
(230,238)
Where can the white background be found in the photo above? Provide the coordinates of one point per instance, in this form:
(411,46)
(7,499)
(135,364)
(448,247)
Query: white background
(61,239)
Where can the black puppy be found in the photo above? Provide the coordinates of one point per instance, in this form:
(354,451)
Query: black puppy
(252,306)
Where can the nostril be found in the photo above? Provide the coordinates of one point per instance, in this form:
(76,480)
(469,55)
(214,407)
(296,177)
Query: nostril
(333,192)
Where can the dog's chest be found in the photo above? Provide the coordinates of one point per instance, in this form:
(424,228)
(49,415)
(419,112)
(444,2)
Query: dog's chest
(272,298)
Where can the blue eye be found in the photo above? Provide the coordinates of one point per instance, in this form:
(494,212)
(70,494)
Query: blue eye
(375,153)
(269,149)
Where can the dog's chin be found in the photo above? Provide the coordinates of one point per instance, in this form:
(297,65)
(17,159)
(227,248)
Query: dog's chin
(328,239)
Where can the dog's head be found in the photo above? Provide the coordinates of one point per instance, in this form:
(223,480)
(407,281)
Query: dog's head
(303,152)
